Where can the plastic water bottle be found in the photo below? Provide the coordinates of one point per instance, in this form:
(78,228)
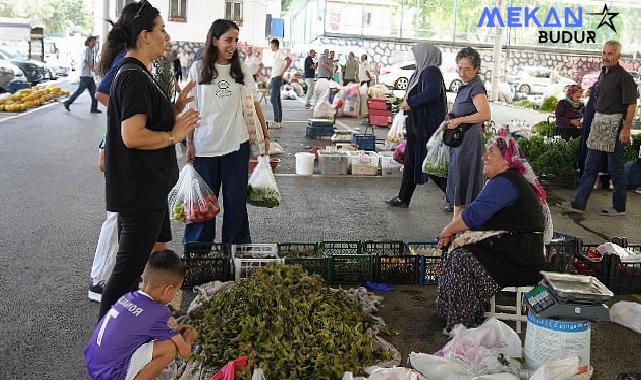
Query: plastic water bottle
(348,375)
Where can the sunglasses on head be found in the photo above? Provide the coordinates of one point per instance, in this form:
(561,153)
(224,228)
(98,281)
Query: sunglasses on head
(142,5)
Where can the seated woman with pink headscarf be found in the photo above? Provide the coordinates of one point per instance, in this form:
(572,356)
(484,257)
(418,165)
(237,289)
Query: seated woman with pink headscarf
(569,113)
(497,240)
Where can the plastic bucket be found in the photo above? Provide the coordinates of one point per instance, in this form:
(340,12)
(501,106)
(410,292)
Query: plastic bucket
(304,163)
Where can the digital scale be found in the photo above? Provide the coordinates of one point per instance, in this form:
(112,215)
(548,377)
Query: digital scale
(568,296)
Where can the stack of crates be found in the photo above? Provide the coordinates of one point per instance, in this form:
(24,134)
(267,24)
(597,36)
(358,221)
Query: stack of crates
(306,254)
(319,128)
(429,260)
(206,262)
(379,113)
(348,263)
(249,257)
(393,264)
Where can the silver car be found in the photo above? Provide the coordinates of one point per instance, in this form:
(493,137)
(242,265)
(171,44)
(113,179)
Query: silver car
(9,73)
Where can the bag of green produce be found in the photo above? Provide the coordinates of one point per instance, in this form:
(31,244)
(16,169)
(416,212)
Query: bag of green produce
(263,190)
(191,200)
(438,155)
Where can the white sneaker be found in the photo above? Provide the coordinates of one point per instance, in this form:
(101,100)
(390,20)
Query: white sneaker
(275,125)
(95,292)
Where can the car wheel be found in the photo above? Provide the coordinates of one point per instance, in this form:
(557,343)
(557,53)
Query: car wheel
(455,85)
(525,89)
(401,83)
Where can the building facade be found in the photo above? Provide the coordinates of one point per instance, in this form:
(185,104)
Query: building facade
(187,21)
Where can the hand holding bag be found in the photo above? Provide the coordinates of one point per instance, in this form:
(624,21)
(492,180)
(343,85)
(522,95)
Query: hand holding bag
(454,137)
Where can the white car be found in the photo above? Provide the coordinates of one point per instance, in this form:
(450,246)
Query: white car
(538,79)
(397,76)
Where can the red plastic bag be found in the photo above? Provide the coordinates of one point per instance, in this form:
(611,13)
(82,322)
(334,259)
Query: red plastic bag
(399,152)
(229,370)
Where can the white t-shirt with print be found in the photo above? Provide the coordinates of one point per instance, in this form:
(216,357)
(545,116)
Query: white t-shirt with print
(279,63)
(222,126)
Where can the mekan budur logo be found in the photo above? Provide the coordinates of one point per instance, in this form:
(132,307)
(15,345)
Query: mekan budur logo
(565,18)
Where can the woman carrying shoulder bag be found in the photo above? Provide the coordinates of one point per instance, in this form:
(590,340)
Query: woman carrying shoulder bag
(219,149)
(140,166)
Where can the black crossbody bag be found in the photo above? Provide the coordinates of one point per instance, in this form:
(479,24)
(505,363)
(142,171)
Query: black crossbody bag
(454,137)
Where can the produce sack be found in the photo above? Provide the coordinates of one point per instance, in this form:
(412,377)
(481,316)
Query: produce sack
(352,98)
(396,132)
(191,200)
(627,314)
(437,158)
(263,190)
(399,152)
(228,372)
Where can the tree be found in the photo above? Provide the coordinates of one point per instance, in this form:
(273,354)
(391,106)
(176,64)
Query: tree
(284,4)
(56,16)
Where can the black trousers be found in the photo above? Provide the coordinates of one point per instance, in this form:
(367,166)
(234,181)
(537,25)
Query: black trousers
(86,83)
(139,231)
(408,184)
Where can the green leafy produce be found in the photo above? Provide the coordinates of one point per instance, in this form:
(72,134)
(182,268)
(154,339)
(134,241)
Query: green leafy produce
(525,104)
(543,128)
(632,150)
(439,169)
(287,323)
(263,196)
(549,104)
(533,147)
(558,157)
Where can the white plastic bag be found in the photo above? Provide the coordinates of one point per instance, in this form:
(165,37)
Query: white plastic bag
(258,374)
(275,148)
(438,368)
(191,200)
(627,314)
(263,190)
(323,108)
(486,349)
(562,367)
(396,373)
(437,158)
(396,132)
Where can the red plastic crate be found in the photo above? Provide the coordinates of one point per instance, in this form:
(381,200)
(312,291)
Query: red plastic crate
(384,121)
(380,104)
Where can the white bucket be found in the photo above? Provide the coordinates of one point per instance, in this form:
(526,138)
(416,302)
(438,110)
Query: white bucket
(304,163)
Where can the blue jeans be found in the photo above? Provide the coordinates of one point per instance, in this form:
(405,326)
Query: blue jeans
(86,83)
(230,170)
(277,82)
(593,164)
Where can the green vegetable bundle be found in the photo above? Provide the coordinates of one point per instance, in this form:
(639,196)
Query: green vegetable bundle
(287,323)
(263,197)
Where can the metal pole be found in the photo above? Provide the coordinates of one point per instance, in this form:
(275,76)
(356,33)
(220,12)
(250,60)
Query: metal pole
(400,27)
(496,58)
(454,9)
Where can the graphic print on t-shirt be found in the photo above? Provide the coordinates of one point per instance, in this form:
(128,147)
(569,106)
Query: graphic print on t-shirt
(223,89)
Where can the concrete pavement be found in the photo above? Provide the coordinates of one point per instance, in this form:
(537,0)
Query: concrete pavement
(53,205)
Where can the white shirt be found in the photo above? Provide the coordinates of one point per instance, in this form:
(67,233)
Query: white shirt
(279,63)
(222,126)
(363,68)
(252,63)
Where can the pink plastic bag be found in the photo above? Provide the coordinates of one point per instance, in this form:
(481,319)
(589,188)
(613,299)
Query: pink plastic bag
(229,370)
(399,152)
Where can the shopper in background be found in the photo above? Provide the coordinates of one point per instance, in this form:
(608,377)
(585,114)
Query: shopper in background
(350,71)
(254,62)
(310,80)
(86,77)
(364,71)
(280,66)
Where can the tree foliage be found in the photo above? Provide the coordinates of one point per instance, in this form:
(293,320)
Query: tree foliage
(58,17)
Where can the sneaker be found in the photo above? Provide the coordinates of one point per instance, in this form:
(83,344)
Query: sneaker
(569,207)
(448,207)
(397,202)
(95,291)
(611,211)
(274,125)
(637,190)
(308,105)
(95,111)
(66,105)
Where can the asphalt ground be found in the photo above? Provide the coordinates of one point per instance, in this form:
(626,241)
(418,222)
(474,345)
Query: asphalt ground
(53,202)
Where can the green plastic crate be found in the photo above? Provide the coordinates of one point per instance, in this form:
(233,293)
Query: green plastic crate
(384,247)
(306,254)
(341,247)
(350,269)
(298,249)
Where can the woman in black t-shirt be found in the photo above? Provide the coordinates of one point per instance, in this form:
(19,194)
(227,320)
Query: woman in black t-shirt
(142,129)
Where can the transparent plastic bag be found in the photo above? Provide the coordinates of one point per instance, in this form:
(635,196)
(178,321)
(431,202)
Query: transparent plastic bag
(437,158)
(395,134)
(191,200)
(263,189)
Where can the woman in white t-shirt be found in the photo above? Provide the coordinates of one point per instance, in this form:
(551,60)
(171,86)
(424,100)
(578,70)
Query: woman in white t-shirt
(219,147)
(364,71)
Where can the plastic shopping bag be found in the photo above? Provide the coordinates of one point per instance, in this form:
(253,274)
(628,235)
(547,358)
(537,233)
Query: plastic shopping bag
(263,190)
(438,156)
(396,132)
(399,152)
(627,314)
(254,129)
(191,200)
(228,371)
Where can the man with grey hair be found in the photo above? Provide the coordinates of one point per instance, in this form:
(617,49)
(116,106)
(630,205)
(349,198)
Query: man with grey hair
(609,132)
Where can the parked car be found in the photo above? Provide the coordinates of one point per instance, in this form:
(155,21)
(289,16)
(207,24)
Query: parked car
(11,77)
(537,79)
(591,78)
(34,71)
(397,76)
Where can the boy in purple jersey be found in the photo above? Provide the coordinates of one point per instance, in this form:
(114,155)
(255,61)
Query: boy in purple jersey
(138,338)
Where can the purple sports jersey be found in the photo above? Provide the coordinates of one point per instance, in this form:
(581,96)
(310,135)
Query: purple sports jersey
(134,320)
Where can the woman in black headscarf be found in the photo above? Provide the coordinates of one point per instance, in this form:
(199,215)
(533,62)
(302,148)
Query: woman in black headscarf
(425,105)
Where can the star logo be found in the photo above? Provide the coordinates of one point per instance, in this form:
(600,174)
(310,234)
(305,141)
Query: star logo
(607,18)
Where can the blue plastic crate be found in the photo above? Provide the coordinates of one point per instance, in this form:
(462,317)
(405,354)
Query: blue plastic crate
(364,141)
